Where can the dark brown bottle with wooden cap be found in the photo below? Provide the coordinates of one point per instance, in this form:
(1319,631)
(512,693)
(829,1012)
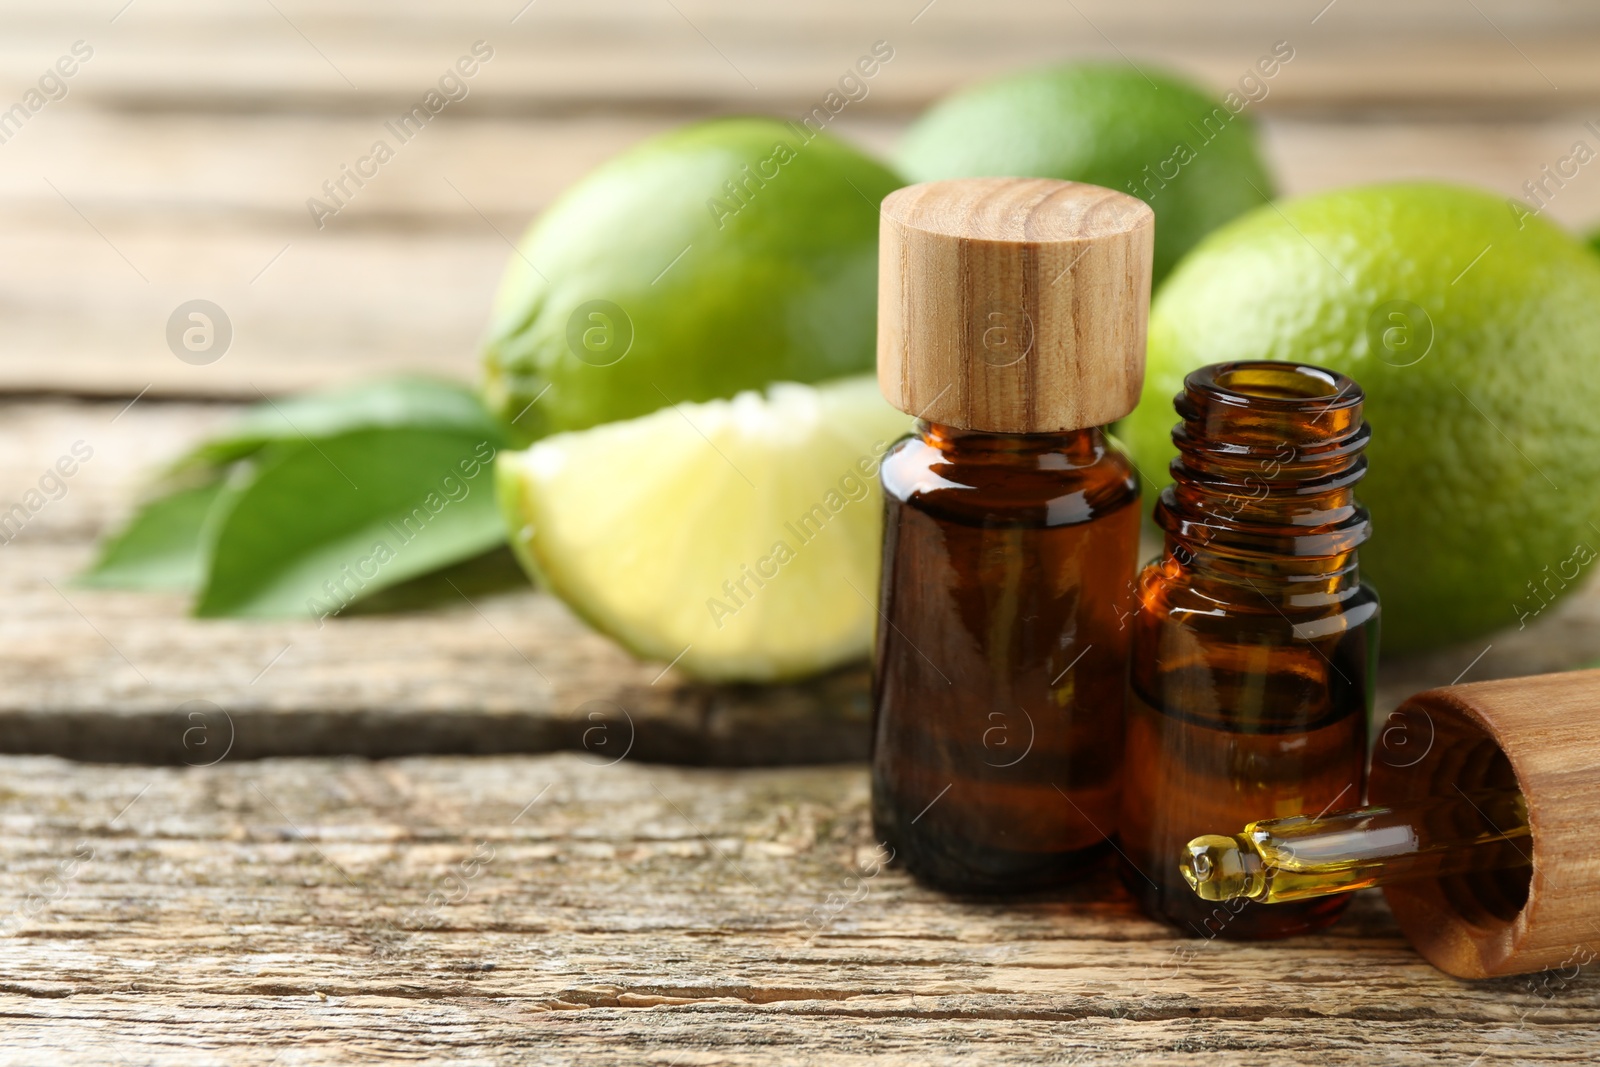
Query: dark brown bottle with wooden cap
(1011,323)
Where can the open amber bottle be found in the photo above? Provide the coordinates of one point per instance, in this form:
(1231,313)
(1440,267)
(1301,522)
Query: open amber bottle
(1254,639)
(1012,322)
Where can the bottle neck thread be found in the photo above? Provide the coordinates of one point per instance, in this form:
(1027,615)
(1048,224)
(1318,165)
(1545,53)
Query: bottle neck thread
(1264,481)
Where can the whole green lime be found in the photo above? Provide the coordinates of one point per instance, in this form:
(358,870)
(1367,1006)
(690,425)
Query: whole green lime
(1474,331)
(715,258)
(1191,157)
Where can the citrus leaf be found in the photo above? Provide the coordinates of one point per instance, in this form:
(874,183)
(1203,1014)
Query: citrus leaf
(392,403)
(166,543)
(322,524)
(162,547)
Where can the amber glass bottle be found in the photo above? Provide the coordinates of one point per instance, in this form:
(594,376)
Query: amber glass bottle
(1012,322)
(1255,641)
(1008,566)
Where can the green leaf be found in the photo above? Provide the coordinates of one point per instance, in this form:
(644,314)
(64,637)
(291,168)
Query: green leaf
(162,547)
(166,544)
(411,403)
(322,524)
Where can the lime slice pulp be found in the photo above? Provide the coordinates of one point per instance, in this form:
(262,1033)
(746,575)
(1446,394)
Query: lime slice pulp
(738,538)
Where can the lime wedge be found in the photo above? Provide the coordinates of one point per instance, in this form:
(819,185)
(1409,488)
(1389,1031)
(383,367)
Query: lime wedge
(738,538)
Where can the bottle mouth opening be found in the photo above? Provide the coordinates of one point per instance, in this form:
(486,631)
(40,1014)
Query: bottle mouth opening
(1275,385)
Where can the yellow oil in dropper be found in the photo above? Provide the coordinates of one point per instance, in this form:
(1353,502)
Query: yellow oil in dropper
(1302,857)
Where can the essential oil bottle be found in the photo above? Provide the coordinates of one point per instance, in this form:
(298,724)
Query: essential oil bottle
(1012,324)
(1254,639)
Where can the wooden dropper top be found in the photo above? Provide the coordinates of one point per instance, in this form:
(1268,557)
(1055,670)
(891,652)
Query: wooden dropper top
(1541,736)
(1013,305)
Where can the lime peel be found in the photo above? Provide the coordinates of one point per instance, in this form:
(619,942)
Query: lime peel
(738,538)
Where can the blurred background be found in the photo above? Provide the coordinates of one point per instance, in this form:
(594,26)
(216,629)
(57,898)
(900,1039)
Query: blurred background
(179,162)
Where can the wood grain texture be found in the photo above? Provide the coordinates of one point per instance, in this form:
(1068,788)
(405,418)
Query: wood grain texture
(1542,736)
(543,910)
(102,675)
(1013,305)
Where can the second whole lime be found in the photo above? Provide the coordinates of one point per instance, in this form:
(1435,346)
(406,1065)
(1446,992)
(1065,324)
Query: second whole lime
(718,257)
(1192,157)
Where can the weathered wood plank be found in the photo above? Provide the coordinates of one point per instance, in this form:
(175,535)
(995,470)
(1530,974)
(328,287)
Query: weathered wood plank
(249,177)
(280,912)
(257,171)
(496,667)
(334,307)
(106,675)
(716,54)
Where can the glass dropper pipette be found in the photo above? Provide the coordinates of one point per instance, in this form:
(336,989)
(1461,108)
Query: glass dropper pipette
(1303,856)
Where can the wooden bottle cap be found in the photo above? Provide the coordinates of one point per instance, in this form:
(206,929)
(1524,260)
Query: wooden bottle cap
(1541,735)
(1013,305)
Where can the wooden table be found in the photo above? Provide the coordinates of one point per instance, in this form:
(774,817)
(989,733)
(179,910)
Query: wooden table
(476,898)
(556,909)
